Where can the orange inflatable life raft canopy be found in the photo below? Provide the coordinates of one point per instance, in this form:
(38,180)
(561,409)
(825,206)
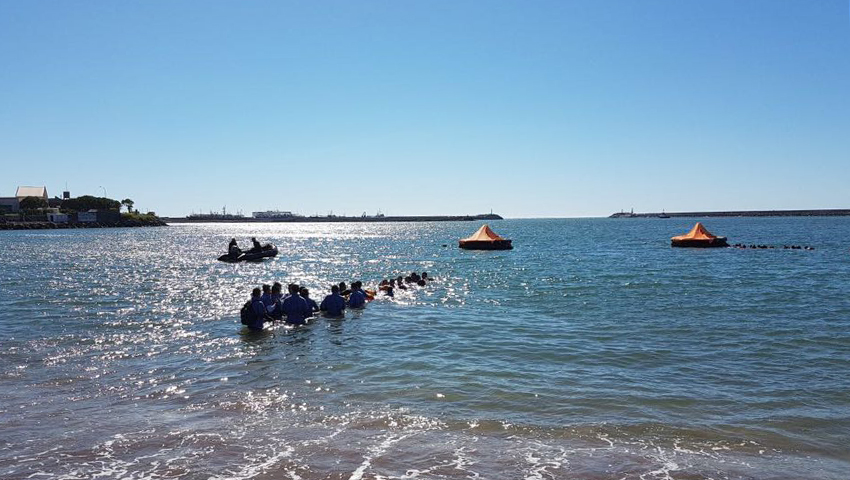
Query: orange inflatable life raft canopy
(485,239)
(698,237)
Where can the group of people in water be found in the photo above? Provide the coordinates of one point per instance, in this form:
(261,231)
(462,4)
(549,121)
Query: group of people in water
(388,286)
(269,304)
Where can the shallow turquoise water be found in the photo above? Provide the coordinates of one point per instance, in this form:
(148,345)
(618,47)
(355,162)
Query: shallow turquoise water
(592,350)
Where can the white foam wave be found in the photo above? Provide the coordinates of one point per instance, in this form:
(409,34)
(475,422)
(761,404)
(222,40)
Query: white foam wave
(374,452)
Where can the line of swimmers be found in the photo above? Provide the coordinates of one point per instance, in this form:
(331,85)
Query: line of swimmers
(268,304)
(389,286)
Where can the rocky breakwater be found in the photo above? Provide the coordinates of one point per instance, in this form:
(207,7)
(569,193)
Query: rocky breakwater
(126,220)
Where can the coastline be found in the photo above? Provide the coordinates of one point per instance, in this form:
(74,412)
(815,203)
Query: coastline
(834,212)
(333,219)
(79,225)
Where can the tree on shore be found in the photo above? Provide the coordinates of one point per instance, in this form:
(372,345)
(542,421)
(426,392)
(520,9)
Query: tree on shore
(88,202)
(128,203)
(33,203)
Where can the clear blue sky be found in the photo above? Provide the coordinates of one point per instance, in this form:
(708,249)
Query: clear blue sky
(531,108)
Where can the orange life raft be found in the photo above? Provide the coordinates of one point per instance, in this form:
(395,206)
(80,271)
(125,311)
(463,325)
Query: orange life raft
(698,237)
(485,239)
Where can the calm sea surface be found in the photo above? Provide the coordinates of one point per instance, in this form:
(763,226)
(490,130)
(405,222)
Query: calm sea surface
(593,350)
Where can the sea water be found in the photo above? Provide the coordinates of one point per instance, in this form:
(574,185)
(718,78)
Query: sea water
(592,350)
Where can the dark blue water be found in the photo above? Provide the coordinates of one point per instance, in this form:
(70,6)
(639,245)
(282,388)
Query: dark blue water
(592,350)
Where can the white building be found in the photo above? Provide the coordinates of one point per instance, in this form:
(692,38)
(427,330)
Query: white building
(13,204)
(38,192)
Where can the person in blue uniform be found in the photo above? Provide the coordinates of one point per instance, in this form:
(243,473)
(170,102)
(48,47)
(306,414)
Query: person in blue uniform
(275,310)
(358,285)
(267,295)
(305,294)
(333,305)
(259,310)
(295,307)
(357,299)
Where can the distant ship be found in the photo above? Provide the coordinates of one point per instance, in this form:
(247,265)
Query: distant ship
(275,214)
(663,215)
